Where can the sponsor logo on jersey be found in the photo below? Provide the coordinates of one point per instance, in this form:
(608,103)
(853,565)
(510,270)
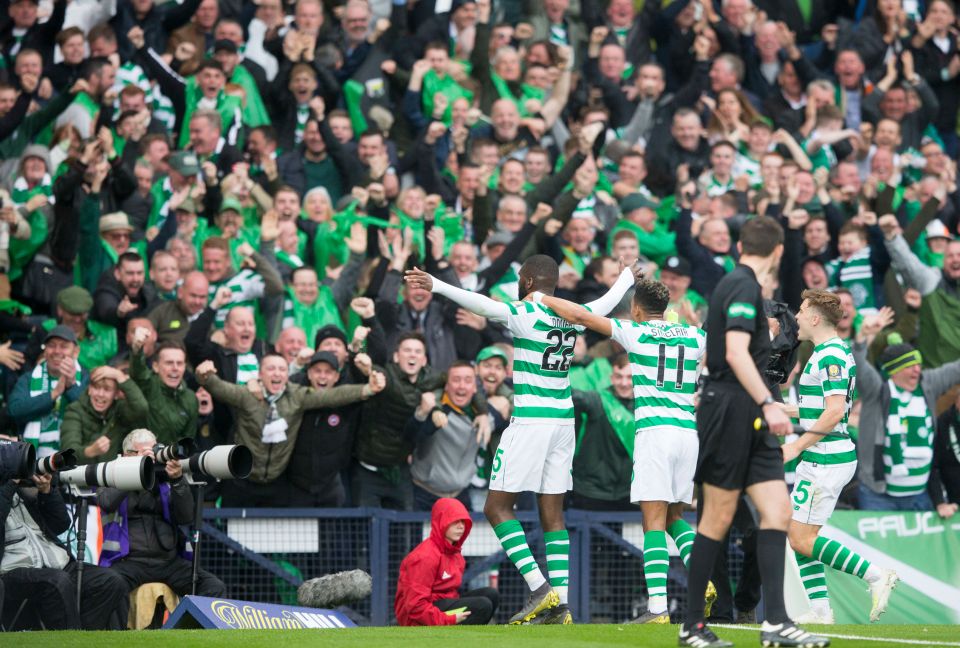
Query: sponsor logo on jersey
(741,309)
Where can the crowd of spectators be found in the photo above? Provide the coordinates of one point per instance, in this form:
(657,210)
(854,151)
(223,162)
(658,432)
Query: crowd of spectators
(208,207)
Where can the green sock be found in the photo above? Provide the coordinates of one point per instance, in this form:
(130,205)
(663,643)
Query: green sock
(558,561)
(834,554)
(514,542)
(683,535)
(812,573)
(656,564)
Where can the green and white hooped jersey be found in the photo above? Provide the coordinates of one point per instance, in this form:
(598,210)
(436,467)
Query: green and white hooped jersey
(543,349)
(831,371)
(856,275)
(247,286)
(665,359)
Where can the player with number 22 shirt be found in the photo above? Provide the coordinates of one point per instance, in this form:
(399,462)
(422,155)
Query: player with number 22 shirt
(536,451)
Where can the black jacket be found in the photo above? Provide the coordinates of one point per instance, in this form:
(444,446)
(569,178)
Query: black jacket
(107,298)
(199,348)
(381,438)
(157,25)
(151,536)
(944,484)
(40,37)
(323,449)
(439,321)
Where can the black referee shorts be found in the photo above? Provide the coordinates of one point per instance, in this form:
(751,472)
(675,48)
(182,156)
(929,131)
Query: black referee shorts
(732,454)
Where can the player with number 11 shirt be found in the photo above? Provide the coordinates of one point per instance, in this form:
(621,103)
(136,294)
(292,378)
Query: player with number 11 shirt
(665,359)
(536,451)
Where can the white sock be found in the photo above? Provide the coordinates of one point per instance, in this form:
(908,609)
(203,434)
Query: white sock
(820,606)
(535,579)
(561,590)
(873,574)
(657,605)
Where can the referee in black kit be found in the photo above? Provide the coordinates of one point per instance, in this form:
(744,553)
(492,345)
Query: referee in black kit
(733,455)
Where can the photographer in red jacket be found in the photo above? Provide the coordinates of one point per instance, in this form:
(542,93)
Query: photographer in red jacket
(430,576)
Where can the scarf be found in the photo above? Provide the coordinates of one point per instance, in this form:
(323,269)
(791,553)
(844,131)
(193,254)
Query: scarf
(507,289)
(303,116)
(22,193)
(329,243)
(228,106)
(311,318)
(254,111)
(527,92)
(908,445)
(292,260)
(44,434)
(248,367)
(445,85)
(271,432)
(21,251)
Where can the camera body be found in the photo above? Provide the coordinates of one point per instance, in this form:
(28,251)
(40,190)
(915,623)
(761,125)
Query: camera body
(18,460)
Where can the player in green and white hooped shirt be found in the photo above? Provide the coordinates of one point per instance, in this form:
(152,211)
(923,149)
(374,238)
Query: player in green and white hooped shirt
(666,360)
(536,451)
(828,459)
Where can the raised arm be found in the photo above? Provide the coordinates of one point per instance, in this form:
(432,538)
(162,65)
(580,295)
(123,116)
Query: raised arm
(577,314)
(613,296)
(483,306)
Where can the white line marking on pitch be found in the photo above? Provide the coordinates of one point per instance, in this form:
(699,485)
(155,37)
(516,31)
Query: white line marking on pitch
(910,642)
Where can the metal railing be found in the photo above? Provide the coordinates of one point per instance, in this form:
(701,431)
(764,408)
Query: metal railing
(265,554)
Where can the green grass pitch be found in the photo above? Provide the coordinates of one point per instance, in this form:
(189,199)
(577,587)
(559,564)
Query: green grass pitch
(577,636)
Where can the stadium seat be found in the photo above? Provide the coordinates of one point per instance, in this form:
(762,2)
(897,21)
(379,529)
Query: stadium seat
(150,604)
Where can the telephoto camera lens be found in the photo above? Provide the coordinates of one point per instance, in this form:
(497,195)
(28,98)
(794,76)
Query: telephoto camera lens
(63,460)
(220,462)
(124,473)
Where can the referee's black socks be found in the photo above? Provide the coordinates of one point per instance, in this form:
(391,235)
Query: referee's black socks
(702,558)
(771,552)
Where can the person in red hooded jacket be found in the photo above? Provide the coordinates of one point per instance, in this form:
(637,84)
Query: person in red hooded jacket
(431,574)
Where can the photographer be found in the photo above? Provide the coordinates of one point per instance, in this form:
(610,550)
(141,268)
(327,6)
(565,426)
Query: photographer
(141,541)
(35,565)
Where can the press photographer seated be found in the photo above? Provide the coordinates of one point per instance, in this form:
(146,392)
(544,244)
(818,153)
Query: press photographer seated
(36,566)
(141,541)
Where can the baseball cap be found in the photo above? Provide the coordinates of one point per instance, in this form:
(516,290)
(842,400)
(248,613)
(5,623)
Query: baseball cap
(225,44)
(324,356)
(677,265)
(499,238)
(75,300)
(61,331)
(185,163)
(188,205)
(492,352)
(936,229)
(231,204)
(637,201)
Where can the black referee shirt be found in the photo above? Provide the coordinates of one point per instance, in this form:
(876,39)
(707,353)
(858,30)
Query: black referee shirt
(736,305)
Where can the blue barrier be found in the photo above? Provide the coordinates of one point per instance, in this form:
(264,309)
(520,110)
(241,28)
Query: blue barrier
(264,554)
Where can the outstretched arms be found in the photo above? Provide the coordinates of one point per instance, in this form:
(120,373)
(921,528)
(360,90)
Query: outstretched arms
(479,304)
